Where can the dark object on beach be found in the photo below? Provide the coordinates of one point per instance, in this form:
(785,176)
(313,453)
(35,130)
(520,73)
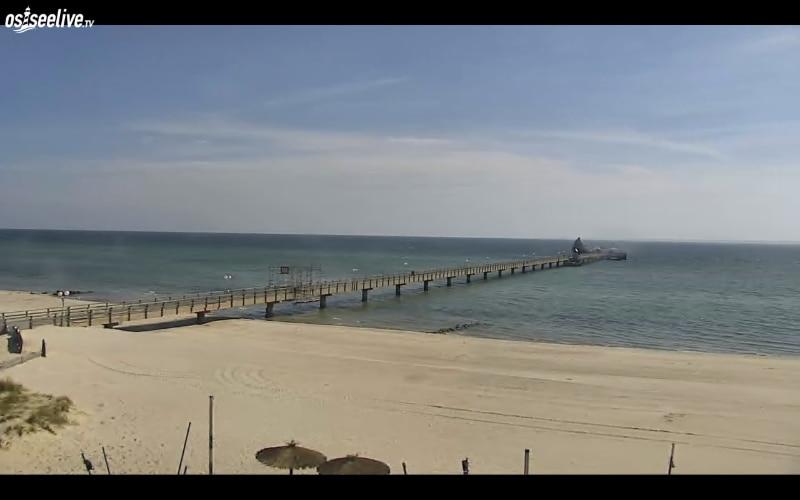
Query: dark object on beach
(290,457)
(44,349)
(405,470)
(456,328)
(671,460)
(353,465)
(105,457)
(526,468)
(87,463)
(15,341)
(465,466)
(68,293)
(210,435)
(183,453)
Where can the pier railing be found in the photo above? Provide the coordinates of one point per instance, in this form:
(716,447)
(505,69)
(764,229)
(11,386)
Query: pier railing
(114,313)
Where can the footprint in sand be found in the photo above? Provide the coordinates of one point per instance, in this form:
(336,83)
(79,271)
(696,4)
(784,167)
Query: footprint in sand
(671,417)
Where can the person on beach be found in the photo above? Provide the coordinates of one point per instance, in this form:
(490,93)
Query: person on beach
(19,340)
(15,341)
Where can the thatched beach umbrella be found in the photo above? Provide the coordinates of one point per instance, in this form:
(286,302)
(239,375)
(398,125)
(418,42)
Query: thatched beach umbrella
(290,457)
(353,465)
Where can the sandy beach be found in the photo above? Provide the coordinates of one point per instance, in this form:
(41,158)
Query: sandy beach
(15,300)
(424,399)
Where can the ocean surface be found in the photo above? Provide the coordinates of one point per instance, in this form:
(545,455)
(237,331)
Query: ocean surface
(733,298)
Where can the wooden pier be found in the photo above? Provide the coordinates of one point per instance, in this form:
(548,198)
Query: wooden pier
(110,315)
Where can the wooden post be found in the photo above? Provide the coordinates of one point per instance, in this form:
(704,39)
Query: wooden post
(671,461)
(405,471)
(105,457)
(44,349)
(185,441)
(465,466)
(527,461)
(210,435)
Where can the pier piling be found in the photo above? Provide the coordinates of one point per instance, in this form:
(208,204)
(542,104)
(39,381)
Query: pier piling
(112,314)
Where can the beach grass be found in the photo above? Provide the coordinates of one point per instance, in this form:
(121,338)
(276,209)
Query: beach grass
(23,411)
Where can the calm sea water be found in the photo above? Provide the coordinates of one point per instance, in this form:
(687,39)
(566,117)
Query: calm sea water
(683,296)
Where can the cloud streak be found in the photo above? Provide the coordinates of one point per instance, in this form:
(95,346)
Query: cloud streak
(372,183)
(632,138)
(310,96)
(776,39)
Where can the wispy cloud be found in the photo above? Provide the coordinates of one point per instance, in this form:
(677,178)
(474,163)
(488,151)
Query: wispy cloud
(321,94)
(262,139)
(470,181)
(630,137)
(776,39)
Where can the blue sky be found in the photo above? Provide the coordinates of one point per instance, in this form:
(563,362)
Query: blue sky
(605,132)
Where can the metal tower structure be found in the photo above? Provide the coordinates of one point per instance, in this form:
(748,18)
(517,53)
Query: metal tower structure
(294,276)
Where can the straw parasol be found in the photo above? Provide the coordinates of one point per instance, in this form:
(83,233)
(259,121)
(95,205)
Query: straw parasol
(290,457)
(353,465)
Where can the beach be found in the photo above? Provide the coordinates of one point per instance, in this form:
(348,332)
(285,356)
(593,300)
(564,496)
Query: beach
(15,300)
(424,399)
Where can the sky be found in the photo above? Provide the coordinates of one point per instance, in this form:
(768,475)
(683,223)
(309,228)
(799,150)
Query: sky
(604,132)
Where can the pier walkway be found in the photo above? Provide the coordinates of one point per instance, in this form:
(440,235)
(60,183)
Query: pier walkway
(112,314)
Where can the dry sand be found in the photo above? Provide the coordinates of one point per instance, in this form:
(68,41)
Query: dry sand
(429,400)
(14,301)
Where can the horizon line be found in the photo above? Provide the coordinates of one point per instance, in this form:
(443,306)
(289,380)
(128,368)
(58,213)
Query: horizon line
(222,233)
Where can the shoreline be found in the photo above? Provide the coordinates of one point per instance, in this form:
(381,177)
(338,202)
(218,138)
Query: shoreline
(404,396)
(44,300)
(543,342)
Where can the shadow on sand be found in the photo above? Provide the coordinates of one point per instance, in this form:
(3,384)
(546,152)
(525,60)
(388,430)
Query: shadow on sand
(170,324)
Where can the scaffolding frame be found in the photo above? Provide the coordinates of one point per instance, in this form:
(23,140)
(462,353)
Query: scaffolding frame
(295,276)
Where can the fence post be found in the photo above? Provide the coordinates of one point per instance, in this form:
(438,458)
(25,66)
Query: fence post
(527,461)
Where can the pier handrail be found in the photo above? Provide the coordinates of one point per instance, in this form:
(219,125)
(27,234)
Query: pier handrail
(81,313)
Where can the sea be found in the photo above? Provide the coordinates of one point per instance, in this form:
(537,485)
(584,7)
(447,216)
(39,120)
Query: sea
(708,297)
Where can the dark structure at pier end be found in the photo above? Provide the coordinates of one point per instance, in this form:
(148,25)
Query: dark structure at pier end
(579,250)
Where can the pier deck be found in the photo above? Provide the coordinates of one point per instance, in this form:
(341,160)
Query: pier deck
(113,314)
